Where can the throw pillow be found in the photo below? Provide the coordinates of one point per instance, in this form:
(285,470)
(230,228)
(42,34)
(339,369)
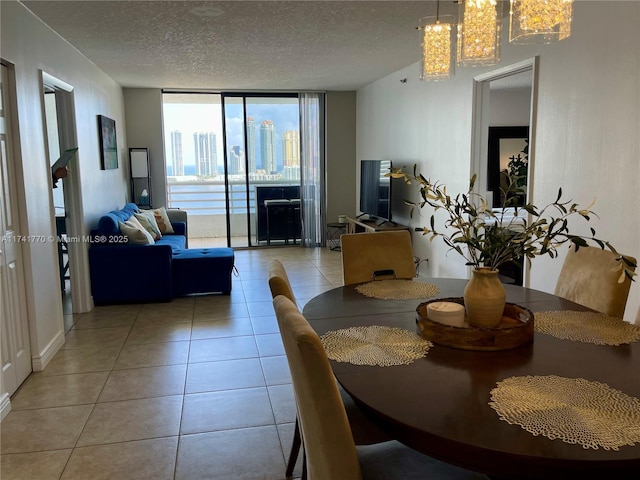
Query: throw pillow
(162,219)
(136,235)
(148,221)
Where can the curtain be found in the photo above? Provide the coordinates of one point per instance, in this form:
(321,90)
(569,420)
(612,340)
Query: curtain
(312,169)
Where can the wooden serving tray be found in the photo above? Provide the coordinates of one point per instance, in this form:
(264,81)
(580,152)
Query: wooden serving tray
(515,329)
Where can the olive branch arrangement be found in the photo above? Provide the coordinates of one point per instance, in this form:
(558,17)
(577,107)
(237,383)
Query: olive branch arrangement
(488,238)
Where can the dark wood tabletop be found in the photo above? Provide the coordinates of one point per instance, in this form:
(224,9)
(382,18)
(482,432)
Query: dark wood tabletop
(439,404)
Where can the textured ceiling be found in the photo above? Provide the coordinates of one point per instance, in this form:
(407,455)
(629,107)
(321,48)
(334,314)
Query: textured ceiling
(242,45)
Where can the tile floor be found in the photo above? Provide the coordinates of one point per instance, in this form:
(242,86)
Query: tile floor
(192,389)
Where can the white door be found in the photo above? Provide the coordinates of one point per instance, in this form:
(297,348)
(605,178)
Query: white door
(15,354)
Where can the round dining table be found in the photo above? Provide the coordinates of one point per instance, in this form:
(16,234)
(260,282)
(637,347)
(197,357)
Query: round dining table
(439,404)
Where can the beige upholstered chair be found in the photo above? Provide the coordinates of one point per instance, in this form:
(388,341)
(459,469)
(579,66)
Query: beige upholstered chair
(364,432)
(364,254)
(279,281)
(330,451)
(589,277)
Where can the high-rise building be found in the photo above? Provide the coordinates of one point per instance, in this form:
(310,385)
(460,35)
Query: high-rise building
(236,160)
(268,146)
(177,162)
(206,153)
(291,148)
(251,144)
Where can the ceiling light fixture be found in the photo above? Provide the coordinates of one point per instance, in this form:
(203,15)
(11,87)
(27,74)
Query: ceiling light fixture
(539,21)
(436,42)
(479,30)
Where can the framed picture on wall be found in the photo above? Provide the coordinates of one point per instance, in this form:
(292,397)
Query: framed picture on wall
(108,143)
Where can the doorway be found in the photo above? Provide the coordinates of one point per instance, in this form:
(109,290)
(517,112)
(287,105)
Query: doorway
(59,119)
(504,112)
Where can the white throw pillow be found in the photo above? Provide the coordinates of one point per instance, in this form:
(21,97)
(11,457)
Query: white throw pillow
(148,222)
(162,219)
(136,234)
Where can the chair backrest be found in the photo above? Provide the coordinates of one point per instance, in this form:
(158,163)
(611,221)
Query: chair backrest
(279,281)
(589,277)
(328,442)
(363,254)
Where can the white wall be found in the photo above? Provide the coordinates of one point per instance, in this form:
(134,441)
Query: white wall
(510,108)
(586,140)
(31,47)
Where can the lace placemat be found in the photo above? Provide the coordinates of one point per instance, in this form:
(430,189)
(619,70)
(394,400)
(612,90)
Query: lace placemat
(574,410)
(374,345)
(397,289)
(588,327)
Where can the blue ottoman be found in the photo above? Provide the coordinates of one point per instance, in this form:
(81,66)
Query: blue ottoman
(202,270)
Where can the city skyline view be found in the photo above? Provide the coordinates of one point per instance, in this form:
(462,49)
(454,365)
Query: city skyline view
(194,137)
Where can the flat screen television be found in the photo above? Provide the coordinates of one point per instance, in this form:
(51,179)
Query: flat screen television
(375,189)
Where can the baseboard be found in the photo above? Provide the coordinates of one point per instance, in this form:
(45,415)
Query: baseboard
(39,362)
(5,406)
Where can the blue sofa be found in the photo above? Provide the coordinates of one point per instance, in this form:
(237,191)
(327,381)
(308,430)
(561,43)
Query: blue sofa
(127,273)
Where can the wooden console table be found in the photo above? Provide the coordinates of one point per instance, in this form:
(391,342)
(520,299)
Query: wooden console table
(355,225)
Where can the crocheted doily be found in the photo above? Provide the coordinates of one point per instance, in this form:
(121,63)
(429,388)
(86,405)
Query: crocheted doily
(574,410)
(588,327)
(374,345)
(397,289)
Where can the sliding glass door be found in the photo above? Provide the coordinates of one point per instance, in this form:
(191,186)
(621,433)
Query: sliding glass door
(233,162)
(263,155)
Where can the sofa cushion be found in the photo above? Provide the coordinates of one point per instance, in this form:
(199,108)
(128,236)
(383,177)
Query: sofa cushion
(135,232)
(148,221)
(176,242)
(164,224)
(108,224)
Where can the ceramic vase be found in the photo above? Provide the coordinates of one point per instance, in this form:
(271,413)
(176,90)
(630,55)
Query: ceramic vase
(484,298)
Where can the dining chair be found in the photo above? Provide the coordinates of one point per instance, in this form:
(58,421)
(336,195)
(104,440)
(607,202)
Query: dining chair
(589,277)
(366,255)
(329,447)
(364,431)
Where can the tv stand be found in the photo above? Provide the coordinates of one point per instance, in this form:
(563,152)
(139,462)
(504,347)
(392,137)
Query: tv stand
(355,225)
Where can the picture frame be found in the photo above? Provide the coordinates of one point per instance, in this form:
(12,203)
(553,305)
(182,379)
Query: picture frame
(504,143)
(108,143)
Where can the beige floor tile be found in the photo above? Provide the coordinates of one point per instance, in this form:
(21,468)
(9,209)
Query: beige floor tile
(227,327)
(312,291)
(211,311)
(152,355)
(283,403)
(276,370)
(285,432)
(270,345)
(44,429)
(229,348)
(96,338)
(128,420)
(224,375)
(260,308)
(82,361)
(144,382)
(265,324)
(34,466)
(228,409)
(159,333)
(103,321)
(40,391)
(244,454)
(145,459)
(236,295)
